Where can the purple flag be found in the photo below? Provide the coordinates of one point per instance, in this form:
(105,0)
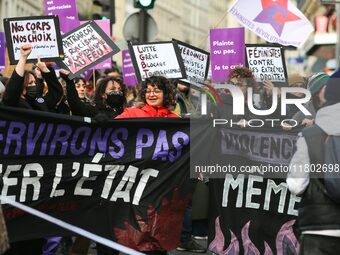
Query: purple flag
(105,26)
(87,74)
(129,76)
(227,50)
(2,51)
(67,12)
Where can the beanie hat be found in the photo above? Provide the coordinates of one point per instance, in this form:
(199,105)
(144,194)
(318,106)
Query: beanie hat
(332,91)
(316,82)
(295,78)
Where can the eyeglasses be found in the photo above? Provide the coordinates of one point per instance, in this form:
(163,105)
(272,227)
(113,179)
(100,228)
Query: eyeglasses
(156,91)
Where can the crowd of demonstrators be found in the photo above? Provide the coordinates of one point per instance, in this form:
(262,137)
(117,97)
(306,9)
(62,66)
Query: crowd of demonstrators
(158,97)
(318,217)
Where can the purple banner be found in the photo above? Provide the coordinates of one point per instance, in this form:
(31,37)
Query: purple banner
(87,74)
(67,12)
(129,76)
(227,50)
(105,26)
(2,51)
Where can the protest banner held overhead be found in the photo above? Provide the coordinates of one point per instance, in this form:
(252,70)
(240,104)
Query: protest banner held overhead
(66,11)
(129,75)
(267,62)
(42,32)
(196,62)
(226,52)
(158,58)
(85,47)
(274,21)
(2,50)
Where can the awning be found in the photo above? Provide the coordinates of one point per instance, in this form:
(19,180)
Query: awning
(321,45)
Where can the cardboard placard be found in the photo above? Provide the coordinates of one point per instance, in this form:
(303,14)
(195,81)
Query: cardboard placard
(196,62)
(85,47)
(129,75)
(42,32)
(226,52)
(157,58)
(106,27)
(267,62)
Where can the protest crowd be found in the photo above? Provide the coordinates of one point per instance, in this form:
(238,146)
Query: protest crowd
(117,157)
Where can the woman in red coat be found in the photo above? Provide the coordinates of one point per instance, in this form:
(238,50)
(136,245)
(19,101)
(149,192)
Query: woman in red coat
(158,95)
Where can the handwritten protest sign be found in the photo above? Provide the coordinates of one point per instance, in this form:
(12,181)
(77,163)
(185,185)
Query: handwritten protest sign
(106,27)
(66,11)
(42,32)
(227,52)
(85,47)
(266,62)
(2,51)
(161,58)
(196,62)
(129,75)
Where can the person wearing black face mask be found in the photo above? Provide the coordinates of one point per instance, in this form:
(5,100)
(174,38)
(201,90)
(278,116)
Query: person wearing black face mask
(24,89)
(31,92)
(115,100)
(109,99)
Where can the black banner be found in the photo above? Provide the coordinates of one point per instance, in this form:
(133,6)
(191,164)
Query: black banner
(126,180)
(252,212)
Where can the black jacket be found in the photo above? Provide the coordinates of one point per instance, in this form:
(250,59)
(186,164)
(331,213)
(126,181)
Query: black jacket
(42,103)
(79,108)
(317,211)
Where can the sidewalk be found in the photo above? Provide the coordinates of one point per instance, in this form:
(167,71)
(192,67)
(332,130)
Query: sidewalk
(92,250)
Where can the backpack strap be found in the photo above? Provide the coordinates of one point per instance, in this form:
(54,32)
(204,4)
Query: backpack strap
(315,138)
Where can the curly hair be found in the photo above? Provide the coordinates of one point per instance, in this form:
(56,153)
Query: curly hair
(162,83)
(242,73)
(98,100)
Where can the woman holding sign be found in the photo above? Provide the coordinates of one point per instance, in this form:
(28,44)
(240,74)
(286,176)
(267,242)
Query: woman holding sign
(158,96)
(21,90)
(109,99)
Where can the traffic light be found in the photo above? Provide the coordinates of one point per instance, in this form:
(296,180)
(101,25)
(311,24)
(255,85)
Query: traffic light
(144,4)
(107,10)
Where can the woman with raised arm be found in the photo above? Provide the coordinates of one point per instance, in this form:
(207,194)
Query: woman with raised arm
(109,98)
(21,89)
